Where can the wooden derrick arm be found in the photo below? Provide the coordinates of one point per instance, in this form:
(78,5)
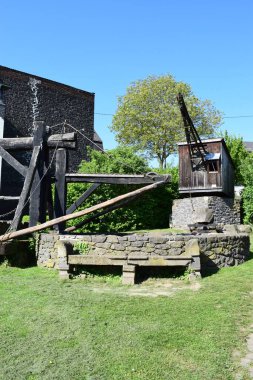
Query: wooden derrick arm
(195,145)
(65,140)
(113,201)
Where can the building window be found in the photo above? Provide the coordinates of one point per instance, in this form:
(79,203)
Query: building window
(213,166)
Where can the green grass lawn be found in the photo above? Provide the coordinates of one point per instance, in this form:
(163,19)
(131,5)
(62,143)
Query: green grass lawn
(51,329)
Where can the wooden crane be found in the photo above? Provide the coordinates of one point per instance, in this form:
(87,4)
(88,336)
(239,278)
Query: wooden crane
(197,150)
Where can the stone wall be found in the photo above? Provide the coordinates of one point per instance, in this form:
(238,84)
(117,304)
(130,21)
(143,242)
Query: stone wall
(216,250)
(187,211)
(51,102)
(225,210)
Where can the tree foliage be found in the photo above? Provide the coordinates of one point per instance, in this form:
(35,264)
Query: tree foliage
(150,211)
(243,163)
(247,195)
(238,154)
(148,117)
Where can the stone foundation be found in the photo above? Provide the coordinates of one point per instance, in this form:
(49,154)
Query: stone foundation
(188,211)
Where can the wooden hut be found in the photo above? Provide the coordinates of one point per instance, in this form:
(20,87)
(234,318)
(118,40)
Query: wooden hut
(214,175)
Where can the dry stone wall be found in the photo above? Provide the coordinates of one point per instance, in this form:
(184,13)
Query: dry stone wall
(191,210)
(216,250)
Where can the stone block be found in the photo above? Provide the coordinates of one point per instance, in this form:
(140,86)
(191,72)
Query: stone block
(161,252)
(175,251)
(98,238)
(143,238)
(122,238)
(128,275)
(112,239)
(147,250)
(130,248)
(230,228)
(99,251)
(118,247)
(137,243)
(150,245)
(104,245)
(176,244)
(244,228)
(158,239)
(192,247)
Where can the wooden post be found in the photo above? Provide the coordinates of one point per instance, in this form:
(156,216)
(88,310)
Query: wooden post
(37,198)
(26,188)
(60,186)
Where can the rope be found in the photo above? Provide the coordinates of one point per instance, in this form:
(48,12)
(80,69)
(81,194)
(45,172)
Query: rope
(99,147)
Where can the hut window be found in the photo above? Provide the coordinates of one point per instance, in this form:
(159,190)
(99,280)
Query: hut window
(213,166)
(212,162)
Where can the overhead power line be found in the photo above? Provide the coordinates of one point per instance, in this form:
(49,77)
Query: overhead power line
(236,117)
(104,114)
(224,117)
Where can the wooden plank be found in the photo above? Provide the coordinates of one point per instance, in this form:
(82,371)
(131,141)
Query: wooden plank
(26,188)
(61,137)
(38,190)
(116,179)
(66,140)
(13,162)
(78,214)
(82,198)
(60,185)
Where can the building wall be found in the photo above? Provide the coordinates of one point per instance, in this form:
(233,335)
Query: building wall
(31,97)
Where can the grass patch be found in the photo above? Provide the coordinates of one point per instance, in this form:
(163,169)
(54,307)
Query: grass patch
(51,329)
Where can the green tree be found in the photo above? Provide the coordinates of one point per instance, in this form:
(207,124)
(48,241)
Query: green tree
(148,117)
(246,169)
(150,211)
(243,164)
(238,154)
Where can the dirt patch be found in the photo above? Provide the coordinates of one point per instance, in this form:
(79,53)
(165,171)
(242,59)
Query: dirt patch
(165,288)
(247,361)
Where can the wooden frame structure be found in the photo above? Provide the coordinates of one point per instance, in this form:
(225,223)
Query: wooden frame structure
(39,176)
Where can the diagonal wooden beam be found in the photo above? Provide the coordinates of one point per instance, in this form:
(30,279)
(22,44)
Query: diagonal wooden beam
(98,214)
(13,162)
(82,198)
(26,188)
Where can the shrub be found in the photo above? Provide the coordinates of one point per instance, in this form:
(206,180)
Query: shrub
(150,211)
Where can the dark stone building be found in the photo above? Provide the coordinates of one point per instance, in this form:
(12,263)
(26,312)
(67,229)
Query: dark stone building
(31,98)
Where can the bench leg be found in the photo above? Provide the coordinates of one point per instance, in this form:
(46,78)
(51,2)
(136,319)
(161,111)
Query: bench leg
(128,275)
(195,267)
(63,265)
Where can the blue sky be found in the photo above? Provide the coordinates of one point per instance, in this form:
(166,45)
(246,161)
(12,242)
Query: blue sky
(103,46)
